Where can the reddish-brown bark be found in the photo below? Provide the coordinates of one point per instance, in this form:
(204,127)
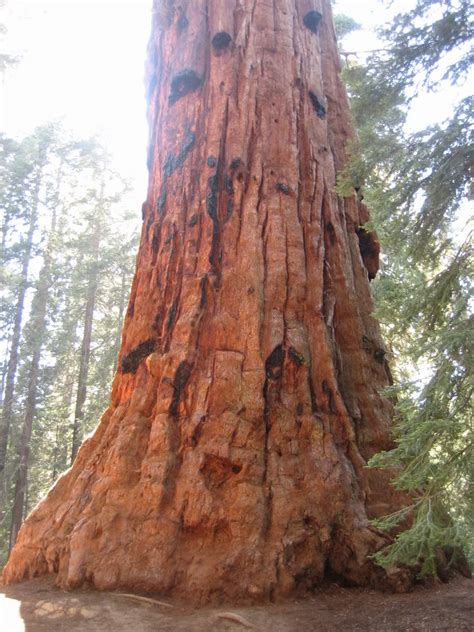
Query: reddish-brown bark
(247,402)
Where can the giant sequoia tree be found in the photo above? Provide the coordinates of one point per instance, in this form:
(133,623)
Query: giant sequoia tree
(231,462)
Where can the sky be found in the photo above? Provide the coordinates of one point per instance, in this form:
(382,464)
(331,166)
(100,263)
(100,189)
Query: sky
(82,61)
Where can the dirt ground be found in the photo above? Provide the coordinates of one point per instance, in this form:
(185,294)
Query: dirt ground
(37,606)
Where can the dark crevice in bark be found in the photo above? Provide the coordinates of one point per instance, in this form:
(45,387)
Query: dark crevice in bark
(317,104)
(182,375)
(215,186)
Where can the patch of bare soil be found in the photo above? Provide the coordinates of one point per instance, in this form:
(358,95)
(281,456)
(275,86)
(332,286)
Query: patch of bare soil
(37,606)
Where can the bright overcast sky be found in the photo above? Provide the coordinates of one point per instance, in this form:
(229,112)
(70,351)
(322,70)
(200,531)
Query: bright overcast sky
(82,61)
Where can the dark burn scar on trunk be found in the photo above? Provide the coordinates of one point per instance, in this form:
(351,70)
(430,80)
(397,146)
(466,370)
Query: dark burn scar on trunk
(221,40)
(379,356)
(182,22)
(312,20)
(182,375)
(183,83)
(203,285)
(274,363)
(171,316)
(370,250)
(331,233)
(131,361)
(172,163)
(317,104)
(283,188)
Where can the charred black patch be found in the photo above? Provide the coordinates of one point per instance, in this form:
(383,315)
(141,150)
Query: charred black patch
(211,161)
(274,363)
(183,83)
(161,201)
(229,187)
(172,163)
(131,361)
(379,356)
(211,199)
(370,250)
(194,220)
(312,20)
(235,164)
(331,233)
(212,202)
(366,344)
(182,22)
(203,286)
(221,40)
(186,146)
(171,316)
(327,390)
(317,104)
(182,375)
(283,188)
(296,356)
(155,240)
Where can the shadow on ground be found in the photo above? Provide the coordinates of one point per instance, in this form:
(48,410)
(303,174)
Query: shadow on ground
(37,606)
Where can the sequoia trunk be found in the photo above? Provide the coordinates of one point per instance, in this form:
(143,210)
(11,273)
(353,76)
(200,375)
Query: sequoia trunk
(247,401)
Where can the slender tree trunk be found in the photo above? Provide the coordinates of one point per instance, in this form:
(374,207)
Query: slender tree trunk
(38,330)
(61,452)
(7,411)
(4,374)
(86,344)
(231,463)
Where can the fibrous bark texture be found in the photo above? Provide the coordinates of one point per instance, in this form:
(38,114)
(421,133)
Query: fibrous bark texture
(230,464)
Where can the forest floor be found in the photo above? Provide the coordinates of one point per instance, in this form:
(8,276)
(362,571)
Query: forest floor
(37,606)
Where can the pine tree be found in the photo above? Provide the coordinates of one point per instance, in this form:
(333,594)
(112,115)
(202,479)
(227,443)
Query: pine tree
(70,195)
(418,184)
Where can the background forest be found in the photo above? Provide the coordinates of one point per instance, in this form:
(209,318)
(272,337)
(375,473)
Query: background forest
(67,257)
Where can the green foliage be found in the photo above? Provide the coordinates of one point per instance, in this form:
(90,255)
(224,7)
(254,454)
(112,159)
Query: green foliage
(72,181)
(344,25)
(417,185)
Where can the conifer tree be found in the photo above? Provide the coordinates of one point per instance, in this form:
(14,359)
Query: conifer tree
(418,184)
